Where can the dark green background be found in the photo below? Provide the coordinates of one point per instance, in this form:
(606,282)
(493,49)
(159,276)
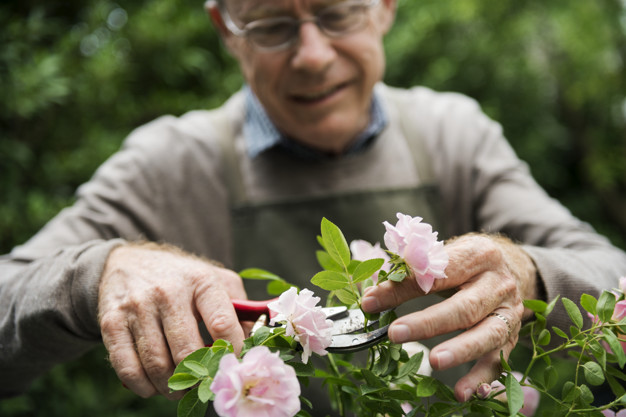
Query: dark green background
(76,77)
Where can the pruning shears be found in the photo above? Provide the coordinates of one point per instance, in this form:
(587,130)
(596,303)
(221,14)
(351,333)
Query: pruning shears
(350,332)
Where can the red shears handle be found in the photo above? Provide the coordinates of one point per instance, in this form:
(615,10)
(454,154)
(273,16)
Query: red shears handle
(251,310)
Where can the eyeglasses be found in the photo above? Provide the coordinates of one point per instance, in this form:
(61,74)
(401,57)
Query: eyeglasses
(278,33)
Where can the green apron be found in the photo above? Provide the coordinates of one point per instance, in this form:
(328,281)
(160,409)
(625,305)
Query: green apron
(280,236)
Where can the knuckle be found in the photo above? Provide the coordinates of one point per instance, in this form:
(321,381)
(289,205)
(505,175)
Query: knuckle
(221,323)
(472,310)
(109,323)
(129,374)
(156,366)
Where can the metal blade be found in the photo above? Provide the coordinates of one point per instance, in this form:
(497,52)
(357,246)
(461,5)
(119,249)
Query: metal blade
(346,343)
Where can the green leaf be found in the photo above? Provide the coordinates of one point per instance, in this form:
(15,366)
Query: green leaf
(258,274)
(514,394)
(569,392)
(261,334)
(196,367)
(544,337)
(615,346)
(397,276)
(573,312)
(605,307)
(550,376)
(346,296)
(537,306)
(191,406)
(401,395)
(588,302)
(412,366)
(182,381)
(616,387)
(371,379)
(303,369)
(551,306)
(330,280)
(366,269)
(585,394)
(504,363)
(599,352)
(204,391)
(202,355)
(560,332)
(326,262)
(426,387)
(335,243)
(278,287)
(593,373)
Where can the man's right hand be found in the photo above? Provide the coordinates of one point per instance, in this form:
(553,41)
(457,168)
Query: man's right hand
(150,302)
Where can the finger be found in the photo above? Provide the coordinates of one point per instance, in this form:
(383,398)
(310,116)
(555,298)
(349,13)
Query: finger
(180,326)
(488,335)
(123,357)
(486,370)
(153,351)
(389,294)
(219,316)
(468,258)
(460,311)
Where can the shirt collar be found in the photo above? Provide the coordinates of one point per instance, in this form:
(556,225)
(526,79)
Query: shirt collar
(261,134)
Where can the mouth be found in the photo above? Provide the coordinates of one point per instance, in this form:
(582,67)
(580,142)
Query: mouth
(313,97)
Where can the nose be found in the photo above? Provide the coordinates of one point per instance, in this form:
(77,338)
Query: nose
(314,51)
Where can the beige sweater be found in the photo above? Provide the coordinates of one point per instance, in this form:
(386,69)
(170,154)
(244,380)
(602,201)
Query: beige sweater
(168,184)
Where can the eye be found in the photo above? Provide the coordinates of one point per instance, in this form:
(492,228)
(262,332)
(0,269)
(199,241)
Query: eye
(271,31)
(342,16)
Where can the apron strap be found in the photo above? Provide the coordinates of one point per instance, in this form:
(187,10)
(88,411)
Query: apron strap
(223,123)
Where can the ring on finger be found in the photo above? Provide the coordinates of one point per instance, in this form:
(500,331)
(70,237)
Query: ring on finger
(504,319)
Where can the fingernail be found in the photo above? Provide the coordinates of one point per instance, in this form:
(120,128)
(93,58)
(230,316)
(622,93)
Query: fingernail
(399,333)
(483,390)
(467,394)
(444,359)
(369,303)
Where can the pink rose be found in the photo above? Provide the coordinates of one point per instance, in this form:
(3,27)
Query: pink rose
(305,321)
(622,284)
(364,251)
(531,396)
(260,385)
(417,244)
(611,413)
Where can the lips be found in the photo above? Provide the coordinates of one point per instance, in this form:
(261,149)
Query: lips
(316,96)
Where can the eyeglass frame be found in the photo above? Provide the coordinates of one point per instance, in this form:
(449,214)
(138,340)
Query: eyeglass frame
(243,32)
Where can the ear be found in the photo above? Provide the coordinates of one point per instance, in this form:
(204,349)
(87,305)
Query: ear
(230,40)
(388,14)
(213,11)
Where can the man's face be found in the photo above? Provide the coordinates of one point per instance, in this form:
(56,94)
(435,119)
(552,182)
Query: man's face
(319,90)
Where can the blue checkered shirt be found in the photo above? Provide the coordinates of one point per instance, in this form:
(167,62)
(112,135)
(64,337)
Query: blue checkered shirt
(261,134)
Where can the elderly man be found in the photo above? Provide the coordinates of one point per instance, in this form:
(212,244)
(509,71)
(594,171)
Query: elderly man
(313,133)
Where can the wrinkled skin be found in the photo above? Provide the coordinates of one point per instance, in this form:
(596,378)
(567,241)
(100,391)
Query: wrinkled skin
(488,274)
(151,300)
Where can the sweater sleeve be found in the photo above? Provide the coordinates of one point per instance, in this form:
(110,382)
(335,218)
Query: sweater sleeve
(49,285)
(486,187)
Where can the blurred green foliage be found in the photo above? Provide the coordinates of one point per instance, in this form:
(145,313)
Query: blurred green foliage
(77,77)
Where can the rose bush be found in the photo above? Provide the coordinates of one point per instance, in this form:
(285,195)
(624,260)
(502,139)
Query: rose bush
(395,380)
